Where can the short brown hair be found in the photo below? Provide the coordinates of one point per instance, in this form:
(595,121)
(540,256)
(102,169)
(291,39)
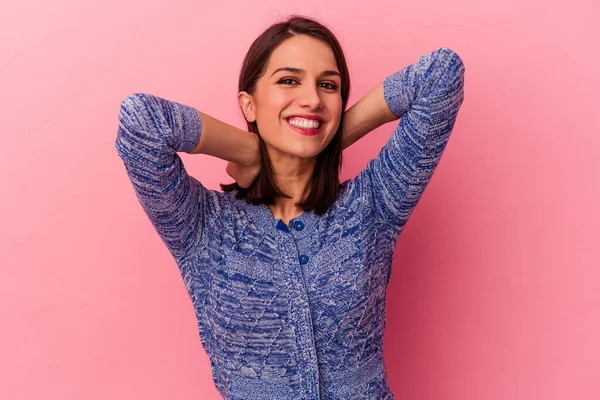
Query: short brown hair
(324,184)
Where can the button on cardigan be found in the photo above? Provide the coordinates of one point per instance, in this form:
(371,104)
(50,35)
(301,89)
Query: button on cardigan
(292,311)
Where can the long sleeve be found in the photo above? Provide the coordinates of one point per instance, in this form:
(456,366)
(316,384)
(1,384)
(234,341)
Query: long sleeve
(427,96)
(151,132)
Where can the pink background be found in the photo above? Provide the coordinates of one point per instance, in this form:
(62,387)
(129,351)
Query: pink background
(496,286)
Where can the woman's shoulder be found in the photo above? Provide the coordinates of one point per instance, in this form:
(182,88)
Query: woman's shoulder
(352,194)
(215,202)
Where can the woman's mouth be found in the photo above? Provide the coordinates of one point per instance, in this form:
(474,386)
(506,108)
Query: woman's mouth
(307,127)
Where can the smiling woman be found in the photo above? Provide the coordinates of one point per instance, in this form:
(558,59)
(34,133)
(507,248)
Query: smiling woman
(294,74)
(289,292)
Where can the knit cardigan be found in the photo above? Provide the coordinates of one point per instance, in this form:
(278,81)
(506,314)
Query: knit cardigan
(292,311)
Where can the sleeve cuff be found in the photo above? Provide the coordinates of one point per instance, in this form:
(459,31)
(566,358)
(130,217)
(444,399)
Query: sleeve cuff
(191,127)
(393,87)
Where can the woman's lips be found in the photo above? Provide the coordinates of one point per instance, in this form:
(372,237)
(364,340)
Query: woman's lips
(306,131)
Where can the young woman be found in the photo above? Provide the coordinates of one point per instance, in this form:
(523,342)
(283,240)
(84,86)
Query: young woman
(287,268)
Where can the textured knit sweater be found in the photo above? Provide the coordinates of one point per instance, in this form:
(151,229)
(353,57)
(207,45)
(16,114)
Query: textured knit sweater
(293,311)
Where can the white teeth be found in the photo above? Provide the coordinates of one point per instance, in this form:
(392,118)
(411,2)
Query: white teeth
(304,123)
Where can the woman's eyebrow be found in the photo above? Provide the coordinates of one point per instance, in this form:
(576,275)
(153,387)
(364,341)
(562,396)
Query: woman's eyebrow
(300,71)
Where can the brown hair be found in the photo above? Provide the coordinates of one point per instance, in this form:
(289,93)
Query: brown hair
(324,184)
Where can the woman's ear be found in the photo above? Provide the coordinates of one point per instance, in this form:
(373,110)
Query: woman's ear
(247,105)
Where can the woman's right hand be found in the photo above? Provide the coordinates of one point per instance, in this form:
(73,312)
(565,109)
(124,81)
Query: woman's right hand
(242,174)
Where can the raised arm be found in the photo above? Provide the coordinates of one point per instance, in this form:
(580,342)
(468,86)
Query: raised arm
(151,132)
(426,96)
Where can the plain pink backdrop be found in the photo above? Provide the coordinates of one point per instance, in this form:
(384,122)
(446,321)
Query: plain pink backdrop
(495,292)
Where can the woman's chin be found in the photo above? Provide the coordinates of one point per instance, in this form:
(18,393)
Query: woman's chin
(306,153)
(299,150)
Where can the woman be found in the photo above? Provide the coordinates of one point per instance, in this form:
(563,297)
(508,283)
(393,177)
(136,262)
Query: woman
(287,268)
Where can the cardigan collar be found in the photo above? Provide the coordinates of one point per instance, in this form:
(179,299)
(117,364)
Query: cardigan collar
(262,217)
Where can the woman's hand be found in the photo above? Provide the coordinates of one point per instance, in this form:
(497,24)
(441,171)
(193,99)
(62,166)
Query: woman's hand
(245,174)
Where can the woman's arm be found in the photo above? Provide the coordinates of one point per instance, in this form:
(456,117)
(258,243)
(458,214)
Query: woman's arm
(227,142)
(427,96)
(151,132)
(368,113)
(237,146)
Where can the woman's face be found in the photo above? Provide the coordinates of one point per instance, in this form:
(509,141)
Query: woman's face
(301,79)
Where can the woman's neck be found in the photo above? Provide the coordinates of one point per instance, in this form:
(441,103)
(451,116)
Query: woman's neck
(292,175)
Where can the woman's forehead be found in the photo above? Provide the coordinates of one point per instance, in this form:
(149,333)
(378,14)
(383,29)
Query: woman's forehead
(303,53)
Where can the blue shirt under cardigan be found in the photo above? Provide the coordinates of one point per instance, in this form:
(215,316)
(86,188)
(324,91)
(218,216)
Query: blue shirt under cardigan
(293,311)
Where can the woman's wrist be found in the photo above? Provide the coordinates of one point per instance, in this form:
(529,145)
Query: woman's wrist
(251,152)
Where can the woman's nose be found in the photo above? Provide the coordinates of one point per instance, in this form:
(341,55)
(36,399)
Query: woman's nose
(310,97)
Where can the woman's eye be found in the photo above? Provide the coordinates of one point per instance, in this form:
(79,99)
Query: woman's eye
(328,85)
(285,81)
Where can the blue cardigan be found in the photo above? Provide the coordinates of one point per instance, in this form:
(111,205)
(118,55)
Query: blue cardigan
(293,311)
